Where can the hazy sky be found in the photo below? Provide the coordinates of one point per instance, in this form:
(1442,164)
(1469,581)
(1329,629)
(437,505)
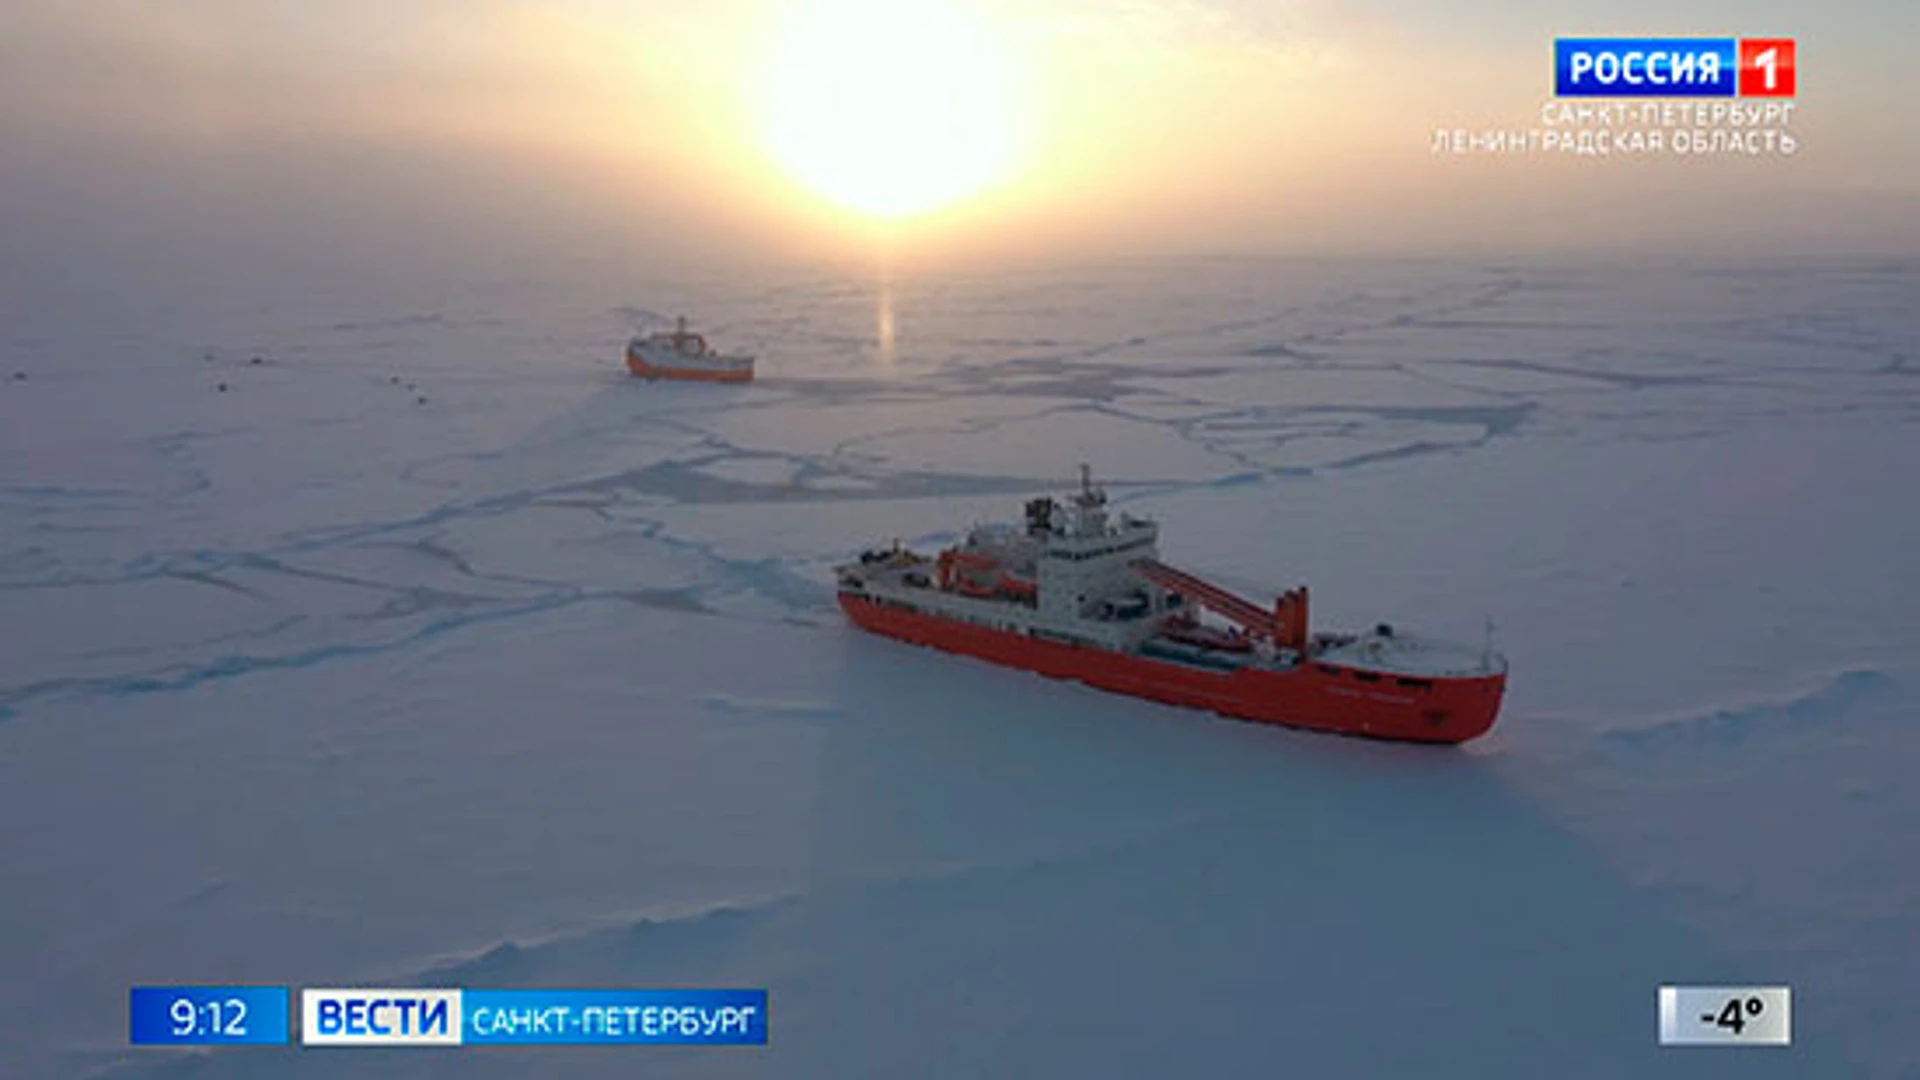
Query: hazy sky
(947,129)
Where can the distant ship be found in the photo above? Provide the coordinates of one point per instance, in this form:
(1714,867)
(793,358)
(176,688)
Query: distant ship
(681,354)
(1073,594)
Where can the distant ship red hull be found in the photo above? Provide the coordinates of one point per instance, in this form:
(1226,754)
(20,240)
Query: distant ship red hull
(694,374)
(1317,696)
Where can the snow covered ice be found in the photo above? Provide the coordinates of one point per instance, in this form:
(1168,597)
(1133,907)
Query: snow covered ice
(436,650)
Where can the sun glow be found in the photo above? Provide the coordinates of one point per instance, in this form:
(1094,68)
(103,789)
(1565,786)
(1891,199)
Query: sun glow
(891,108)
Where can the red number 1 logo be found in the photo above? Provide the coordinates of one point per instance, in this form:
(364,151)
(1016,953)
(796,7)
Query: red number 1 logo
(1766,67)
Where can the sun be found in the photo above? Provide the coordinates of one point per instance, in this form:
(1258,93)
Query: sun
(892,108)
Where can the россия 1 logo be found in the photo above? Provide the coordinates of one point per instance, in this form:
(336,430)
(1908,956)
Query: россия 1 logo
(1674,67)
(1660,96)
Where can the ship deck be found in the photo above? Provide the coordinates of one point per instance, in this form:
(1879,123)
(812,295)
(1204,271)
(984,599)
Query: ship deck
(1380,651)
(1399,654)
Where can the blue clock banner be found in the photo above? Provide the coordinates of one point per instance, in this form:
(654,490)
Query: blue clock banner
(446,1016)
(208,1016)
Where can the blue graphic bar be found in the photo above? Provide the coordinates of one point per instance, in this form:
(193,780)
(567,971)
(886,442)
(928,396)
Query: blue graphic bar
(1645,67)
(208,1016)
(613,1017)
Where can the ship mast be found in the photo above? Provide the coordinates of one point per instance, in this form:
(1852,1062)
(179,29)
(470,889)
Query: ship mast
(1090,496)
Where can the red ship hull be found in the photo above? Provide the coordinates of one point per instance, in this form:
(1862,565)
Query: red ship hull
(721,375)
(1319,697)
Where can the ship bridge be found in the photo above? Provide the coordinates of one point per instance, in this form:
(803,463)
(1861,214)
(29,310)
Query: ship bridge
(1086,553)
(1082,525)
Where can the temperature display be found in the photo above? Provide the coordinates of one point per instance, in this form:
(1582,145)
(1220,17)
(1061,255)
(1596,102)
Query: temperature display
(1726,1016)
